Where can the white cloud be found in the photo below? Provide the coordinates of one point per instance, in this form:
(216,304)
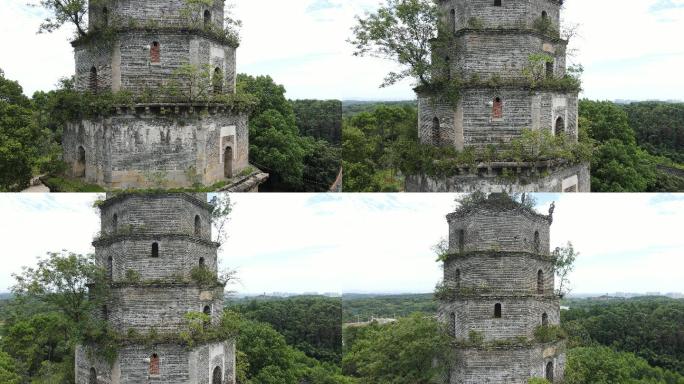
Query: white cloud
(376,243)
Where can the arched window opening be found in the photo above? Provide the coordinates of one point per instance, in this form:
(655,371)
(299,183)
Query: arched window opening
(549,371)
(560,126)
(217,376)
(497,3)
(549,69)
(545,319)
(81,162)
(207,18)
(435,131)
(110,267)
(452,20)
(458,278)
(536,241)
(155,250)
(201,262)
(461,240)
(228,163)
(207,310)
(105,16)
(453,324)
(92,379)
(198,225)
(540,281)
(92,80)
(154,364)
(497,108)
(544,15)
(217,80)
(497,311)
(155,52)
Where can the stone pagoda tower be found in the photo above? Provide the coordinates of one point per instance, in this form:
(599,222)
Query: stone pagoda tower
(492,49)
(150,245)
(176,120)
(501,278)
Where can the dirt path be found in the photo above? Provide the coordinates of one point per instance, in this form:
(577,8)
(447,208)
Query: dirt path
(36,186)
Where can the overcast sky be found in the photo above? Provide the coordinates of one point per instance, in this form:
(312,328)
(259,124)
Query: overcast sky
(629,48)
(376,243)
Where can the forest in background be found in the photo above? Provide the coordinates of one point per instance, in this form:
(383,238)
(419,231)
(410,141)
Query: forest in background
(610,340)
(296,141)
(637,147)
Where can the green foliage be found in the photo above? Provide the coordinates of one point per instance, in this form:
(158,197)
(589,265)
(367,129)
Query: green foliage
(475,337)
(444,292)
(368,147)
(132,276)
(321,119)
(63,184)
(413,350)
(659,127)
(62,12)
(23,143)
(537,380)
(545,26)
(204,276)
(618,164)
(495,201)
(358,307)
(311,324)
(602,365)
(648,327)
(549,333)
(265,358)
(563,265)
(294,162)
(8,370)
(403,31)
(221,207)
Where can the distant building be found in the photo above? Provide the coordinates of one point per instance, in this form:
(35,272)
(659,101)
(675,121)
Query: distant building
(498,291)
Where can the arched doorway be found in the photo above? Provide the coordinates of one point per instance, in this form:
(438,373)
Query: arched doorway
(549,371)
(217,376)
(560,126)
(545,319)
(228,163)
(92,379)
(80,168)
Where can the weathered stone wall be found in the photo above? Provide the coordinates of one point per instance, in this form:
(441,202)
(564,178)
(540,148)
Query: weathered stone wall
(507,365)
(177,365)
(492,231)
(502,53)
(151,149)
(162,307)
(511,13)
(146,214)
(470,123)
(577,175)
(124,64)
(152,12)
(520,316)
(514,273)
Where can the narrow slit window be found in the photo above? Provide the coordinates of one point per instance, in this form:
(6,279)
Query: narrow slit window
(92,379)
(461,240)
(110,267)
(452,20)
(549,69)
(497,3)
(497,311)
(154,364)
(540,281)
(155,52)
(545,319)
(497,108)
(458,278)
(198,225)
(201,262)
(536,241)
(155,250)
(218,80)
(453,324)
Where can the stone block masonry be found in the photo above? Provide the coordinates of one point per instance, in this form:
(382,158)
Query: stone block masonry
(149,246)
(501,275)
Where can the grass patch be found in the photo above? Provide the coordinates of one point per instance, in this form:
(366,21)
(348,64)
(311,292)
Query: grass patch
(63,184)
